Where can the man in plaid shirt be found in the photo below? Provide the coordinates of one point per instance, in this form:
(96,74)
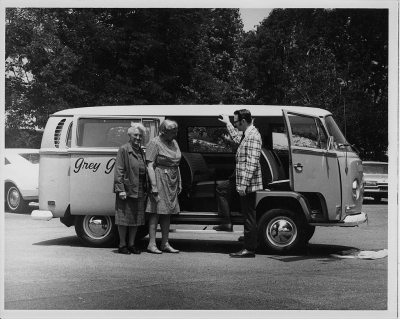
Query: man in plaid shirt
(248,175)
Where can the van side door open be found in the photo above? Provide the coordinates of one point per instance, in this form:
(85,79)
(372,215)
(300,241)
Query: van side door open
(313,167)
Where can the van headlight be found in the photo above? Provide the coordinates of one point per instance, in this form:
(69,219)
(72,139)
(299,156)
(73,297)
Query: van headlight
(356,189)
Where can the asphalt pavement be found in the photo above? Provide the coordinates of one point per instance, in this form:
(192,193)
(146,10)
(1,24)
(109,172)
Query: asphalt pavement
(47,268)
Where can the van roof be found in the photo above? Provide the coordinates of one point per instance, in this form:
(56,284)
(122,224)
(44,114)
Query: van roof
(194,110)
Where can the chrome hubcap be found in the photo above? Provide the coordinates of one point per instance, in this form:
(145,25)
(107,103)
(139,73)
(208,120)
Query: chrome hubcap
(281,231)
(13,198)
(97,227)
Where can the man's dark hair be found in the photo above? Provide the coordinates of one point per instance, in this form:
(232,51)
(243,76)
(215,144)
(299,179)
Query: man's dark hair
(243,114)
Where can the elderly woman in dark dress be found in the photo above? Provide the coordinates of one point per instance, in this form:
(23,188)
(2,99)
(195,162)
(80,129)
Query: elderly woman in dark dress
(129,185)
(163,157)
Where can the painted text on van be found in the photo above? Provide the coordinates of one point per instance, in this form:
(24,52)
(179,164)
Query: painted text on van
(81,164)
(109,166)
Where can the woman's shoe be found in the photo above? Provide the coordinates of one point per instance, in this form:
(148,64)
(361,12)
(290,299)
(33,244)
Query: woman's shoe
(153,249)
(168,249)
(133,250)
(123,250)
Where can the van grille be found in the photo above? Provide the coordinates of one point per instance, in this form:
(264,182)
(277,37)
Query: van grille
(57,133)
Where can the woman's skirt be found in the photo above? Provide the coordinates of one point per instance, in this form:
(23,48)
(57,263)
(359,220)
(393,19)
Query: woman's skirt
(130,211)
(167,183)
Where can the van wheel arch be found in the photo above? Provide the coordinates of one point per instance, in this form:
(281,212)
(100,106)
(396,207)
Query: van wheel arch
(280,202)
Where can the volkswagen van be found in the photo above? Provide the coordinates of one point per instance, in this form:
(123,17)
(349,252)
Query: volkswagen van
(311,174)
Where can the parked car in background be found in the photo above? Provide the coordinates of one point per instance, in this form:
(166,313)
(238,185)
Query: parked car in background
(21,178)
(375,180)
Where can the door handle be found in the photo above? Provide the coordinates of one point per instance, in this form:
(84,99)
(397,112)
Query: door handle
(298,166)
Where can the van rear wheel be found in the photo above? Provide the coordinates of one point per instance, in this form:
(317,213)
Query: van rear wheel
(96,230)
(280,231)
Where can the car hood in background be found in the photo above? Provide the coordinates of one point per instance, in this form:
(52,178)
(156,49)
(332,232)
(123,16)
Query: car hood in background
(376,177)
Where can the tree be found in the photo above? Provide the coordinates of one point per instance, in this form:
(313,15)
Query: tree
(333,59)
(65,58)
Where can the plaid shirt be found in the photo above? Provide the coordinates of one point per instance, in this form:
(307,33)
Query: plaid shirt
(248,168)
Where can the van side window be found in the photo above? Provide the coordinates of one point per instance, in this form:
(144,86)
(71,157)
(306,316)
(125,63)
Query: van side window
(323,137)
(279,139)
(152,130)
(57,133)
(307,132)
(69,135)
(110,132)
(210,139)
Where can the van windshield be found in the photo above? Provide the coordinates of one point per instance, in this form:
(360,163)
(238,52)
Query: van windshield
(338,136)
(103,132)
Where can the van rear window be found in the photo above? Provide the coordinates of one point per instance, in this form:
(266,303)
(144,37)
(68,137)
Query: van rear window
(111,132)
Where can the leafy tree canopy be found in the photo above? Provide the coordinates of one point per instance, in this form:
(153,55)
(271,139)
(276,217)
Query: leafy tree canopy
(59,58)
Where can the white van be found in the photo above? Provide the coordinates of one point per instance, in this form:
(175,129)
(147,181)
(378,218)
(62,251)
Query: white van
(312,176)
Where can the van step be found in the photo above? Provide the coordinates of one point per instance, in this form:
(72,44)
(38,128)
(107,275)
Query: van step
(205,231)
(187,213)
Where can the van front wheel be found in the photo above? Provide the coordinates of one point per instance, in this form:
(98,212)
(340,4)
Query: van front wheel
(96,230)
(280,231)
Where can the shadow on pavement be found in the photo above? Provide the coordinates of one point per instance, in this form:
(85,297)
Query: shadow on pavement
(310,251)
(71,241)
(185,245)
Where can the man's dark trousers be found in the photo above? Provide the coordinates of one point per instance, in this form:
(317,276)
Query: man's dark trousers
(247,203)
(225,191)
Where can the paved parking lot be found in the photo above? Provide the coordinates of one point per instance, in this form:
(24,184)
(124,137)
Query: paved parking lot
(46,267)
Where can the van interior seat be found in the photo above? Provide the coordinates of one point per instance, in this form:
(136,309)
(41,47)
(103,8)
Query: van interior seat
(272,171)
(197,177)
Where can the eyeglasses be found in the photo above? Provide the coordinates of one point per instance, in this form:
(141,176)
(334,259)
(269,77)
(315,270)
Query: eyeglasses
(234,122)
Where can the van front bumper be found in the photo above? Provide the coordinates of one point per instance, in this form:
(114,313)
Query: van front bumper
(41,215)
(348,221)
(354,220)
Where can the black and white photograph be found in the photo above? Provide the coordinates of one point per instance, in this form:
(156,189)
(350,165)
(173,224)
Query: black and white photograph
(225,159)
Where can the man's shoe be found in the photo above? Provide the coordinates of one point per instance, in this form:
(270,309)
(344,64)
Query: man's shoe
(123,250)
(244,253)
(133,250)
(223,228)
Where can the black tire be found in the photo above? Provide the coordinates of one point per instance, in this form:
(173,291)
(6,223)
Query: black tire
(280,231)
(96,230)
(15,202)
(309,232)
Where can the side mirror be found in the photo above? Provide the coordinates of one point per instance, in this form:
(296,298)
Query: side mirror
(330,143)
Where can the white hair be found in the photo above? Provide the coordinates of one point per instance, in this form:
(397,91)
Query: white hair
(167,125)
(138,126)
